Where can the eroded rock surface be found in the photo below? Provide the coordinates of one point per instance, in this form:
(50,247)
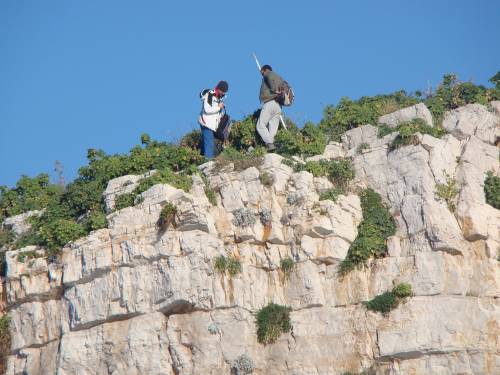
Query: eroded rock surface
(139,299)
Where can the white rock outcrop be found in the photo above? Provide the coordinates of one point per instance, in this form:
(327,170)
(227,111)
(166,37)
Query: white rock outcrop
(138,299)
(407,114)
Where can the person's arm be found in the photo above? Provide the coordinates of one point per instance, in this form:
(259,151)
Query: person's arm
(211,109)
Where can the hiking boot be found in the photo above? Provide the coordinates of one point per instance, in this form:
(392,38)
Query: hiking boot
(270,147)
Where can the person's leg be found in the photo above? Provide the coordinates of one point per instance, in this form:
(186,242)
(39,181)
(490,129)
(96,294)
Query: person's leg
(207,142)
(264,118)
(274,121)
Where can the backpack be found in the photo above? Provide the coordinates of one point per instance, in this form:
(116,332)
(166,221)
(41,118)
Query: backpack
(287,96)
(224,128)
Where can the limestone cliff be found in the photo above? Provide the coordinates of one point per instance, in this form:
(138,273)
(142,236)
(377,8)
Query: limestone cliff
(138,299)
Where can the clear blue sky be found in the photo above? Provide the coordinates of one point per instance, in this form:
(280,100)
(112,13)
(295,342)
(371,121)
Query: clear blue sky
(79,74)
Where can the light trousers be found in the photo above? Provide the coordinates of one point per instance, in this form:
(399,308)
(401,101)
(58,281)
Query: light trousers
(269,121)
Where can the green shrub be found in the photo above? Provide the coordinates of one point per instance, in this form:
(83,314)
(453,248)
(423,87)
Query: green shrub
(390,300)
(287,265)
(21,257)
(192,140)
(167,215)
(165,176)
(402,290)
(383,303)
(4,342)
(243,135)
(211,195)
(362,147)
(349,114)
(220,264)
(407,132)
(124,200)
(29,194)
(230,264)
(452,93)
(376,226)
(241,160)
(492,189)
(331,194)
(55,234)
(272,321)
(316,168)
(233,266)
(96,220)
(308,141)
(448,192)
(340,172)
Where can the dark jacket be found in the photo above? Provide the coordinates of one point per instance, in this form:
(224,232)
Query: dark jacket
(271,82)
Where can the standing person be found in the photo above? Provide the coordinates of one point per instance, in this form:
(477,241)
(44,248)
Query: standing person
(269,119)
(210,116)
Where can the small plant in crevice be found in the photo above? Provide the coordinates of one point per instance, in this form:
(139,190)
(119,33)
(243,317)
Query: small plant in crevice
(287,265)
(243,365)
(272,321)
(209,192)
(243,217)
(376,226)
(26,255)
(230,264)
(265,216)
(241,160)
(407,133)
(362,147)
(448,192)
(124,200)
(492,189)
(388,301)
(167,216)
(5,340)
(266,179)
(331,194)
(339,171)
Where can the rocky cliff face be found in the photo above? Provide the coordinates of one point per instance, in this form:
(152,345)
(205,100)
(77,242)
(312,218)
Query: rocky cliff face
(136,299)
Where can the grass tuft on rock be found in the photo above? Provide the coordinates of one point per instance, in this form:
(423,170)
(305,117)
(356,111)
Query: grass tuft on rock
(272,321)
(492,190)
(376,226)
(388,301)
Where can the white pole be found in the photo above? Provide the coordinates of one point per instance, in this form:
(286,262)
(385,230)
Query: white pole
(281,117)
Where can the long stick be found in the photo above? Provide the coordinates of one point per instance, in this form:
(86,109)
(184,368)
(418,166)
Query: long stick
(281,117)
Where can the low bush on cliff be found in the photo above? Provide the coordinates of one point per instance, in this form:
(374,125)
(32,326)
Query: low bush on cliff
(308,141)
(448,192)
(241,160)
(29,194)
(407,132)
(376,226)
(452,93)
(4,342)
(79,209)
(349,114)
(230,264)
(272,321)
(388,301)
(492,189)
(339,171)
(167,216)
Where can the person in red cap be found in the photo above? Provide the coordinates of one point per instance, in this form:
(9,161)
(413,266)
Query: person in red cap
(210,116)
